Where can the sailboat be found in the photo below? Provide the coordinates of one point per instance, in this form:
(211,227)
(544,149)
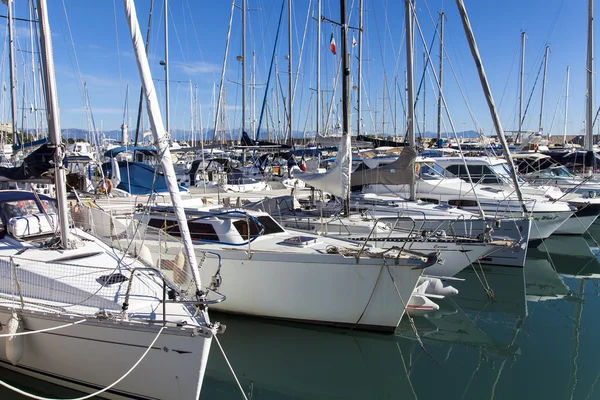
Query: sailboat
(76,312)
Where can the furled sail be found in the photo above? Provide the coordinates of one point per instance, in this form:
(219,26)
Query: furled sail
(337,179)
(398,172)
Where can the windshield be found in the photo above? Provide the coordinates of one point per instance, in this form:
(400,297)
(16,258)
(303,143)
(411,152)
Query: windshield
(561,172)
(430,171)
(502,171)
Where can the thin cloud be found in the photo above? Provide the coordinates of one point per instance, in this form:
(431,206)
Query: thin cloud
(199,67)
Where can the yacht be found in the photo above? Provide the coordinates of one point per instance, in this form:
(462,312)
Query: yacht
(268,271)
(493,172)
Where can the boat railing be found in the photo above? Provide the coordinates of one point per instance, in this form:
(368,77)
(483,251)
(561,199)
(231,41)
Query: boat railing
(150,245)
(376,223)
(169,294)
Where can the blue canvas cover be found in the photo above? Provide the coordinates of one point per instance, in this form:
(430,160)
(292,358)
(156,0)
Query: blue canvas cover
(138,178)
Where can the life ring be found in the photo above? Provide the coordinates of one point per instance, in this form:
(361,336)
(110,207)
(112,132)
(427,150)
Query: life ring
(105,186)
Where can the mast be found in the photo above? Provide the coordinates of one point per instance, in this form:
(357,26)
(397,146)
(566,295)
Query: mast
(383,107)
(439,105)
(489,98)
(33,70)
(345,90)
(192,115)
(11,61)
(290,91)
(139,115)
(162,144)
(566,106)
(521,84)
(318,102)
(410,110)
(244,9)
(47,60)
(424,93)
(543,89)
(589,142)
(359,70)
(168,127)
(218,108)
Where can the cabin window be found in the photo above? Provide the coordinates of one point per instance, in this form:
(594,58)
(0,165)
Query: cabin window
(462,203)
(270,225)
(479,173)
(198,230)
(242,228)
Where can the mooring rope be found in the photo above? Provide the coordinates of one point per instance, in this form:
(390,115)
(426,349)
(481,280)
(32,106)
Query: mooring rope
(231,368)
(54,328)
(89,396)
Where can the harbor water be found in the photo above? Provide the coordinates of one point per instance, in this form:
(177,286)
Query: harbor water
(510,333)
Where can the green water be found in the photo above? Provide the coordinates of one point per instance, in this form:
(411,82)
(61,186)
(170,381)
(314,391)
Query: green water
(536,339)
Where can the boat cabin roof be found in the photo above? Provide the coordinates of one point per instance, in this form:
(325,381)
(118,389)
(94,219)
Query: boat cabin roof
(470,160)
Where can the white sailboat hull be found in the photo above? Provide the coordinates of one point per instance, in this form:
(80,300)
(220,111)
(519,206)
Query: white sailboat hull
(576,225)
(111,349)
(331,290)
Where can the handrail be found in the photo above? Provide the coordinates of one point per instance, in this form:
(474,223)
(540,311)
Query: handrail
(376,222)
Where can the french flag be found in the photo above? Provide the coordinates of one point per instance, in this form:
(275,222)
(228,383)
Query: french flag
(332,45)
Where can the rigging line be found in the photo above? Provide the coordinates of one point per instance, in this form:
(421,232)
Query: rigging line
(118,52)
(462,93)
(179,43)
(73,47)
(531,94)
(556,109)
(301,51)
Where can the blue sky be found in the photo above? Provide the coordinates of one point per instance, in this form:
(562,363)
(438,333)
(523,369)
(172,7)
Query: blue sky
(198,32)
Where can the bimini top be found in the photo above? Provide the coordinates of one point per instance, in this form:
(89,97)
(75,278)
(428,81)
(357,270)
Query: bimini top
(147,150)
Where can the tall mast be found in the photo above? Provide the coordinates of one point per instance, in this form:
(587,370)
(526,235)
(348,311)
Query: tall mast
(47,59)
(439,105)
(543,89)
(290,92)
(192,114)
(139,115)
(589,143)
(424,94)
(489,98)
(410,110)
(162,146)
(11,61)
(395,90)
(318,102)
(218,107)
(244,10)
(33,70)
(521,85)
(359,69)
(383,106)
(168,127)
(566,105)
(345,87)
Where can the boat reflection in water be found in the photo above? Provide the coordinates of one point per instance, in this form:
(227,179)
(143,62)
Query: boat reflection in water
(280,360)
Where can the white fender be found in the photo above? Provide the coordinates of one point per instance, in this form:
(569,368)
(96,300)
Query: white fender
(143,253)
(420,305)
(179,275)
(436,286)
(15,346)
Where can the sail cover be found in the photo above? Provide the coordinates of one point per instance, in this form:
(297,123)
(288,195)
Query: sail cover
(398,172)
(337,179)
(34,167)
